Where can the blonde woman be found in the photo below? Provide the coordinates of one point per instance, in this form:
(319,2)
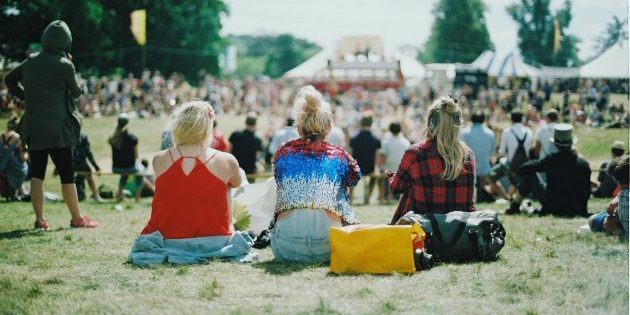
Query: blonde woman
(190,216)
(438,174)
(313,177)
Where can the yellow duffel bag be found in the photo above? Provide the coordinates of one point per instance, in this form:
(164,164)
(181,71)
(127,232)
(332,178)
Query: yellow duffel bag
(374,249)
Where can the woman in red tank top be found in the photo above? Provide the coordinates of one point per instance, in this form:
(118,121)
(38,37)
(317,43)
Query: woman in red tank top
(192,186)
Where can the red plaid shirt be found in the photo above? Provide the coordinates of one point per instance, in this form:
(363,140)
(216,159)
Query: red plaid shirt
(419,179)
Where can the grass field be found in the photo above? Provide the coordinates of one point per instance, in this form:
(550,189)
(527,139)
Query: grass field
(545,268)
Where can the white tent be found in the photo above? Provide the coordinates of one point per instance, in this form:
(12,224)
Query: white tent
(410,66)
(504,65)
(311,67)
(316,67)
(484,61)
(558,72)
(611,64)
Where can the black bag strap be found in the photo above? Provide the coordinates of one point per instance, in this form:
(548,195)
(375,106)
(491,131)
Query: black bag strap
(520,141)
(435,226)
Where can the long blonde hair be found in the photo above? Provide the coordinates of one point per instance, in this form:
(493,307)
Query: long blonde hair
(312,113)
(443,123)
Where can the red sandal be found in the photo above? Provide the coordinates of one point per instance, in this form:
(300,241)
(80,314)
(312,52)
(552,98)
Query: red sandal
(83,222)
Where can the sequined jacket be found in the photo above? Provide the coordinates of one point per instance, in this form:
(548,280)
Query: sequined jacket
(315,175)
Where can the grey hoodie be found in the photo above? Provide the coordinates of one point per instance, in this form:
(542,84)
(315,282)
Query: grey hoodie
(48,86)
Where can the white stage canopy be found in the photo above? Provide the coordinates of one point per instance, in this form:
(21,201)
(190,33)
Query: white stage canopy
(611,64)
(504,65)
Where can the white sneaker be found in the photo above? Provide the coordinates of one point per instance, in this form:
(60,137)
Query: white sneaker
(97,199)
(527,206)
(584,229)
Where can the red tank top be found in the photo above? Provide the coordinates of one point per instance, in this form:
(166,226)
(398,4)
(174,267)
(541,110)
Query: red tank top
(187,206)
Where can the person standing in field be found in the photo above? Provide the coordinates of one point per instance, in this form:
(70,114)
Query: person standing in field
(50,126)
(125,157)
(394,148)
(81,155)
(364,148)
(246,145)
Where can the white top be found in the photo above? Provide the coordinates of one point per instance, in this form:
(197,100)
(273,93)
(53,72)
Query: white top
(547,147)
(394,148)
(281,137)
(509,143)
(336,137)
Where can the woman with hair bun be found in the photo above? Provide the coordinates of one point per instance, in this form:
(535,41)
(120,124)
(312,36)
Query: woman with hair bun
(190,213)
(313,177)
(437,175)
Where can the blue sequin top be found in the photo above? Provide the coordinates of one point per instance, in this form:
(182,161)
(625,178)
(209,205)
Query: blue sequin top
(315,175)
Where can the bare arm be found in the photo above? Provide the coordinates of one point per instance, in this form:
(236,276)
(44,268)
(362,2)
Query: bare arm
(235,178)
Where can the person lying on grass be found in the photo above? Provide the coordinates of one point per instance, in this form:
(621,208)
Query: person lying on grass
(190,213)
(438,174)
(313,177)
(615,219)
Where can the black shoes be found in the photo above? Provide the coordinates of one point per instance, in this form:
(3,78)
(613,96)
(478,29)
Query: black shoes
(513,209)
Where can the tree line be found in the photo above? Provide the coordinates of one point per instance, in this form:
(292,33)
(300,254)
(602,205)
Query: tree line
(459,33)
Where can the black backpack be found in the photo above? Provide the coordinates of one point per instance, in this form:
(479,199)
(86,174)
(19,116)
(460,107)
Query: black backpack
(520,156)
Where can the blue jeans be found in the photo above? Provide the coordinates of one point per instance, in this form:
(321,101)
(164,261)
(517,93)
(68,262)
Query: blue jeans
(597,222)
(302,236)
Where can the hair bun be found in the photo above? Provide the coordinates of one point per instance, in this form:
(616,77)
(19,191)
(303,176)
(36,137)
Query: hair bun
(448,105)
(313,102)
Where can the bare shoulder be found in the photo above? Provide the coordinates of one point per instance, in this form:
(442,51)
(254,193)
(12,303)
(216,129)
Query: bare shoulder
(226,159)
(161,161)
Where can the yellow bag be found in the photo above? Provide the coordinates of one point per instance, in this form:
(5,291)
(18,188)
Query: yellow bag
(375,249)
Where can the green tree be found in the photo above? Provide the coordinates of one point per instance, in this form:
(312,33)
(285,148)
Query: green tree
(271,55)
(27,20)
(537,33)
(459,32)
(182,36)
(615,30)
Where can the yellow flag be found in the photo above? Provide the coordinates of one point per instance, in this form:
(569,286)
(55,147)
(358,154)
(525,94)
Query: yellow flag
(556,36)
(139,26)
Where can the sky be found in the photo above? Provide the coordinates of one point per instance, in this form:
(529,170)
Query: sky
(399,22)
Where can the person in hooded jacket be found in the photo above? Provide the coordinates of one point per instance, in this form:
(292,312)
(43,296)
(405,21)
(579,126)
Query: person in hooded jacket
(50,125)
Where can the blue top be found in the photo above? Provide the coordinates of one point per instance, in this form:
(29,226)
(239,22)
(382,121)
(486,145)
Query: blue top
(480,140)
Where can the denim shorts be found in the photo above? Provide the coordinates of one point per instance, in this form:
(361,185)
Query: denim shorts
(302,236)
(597,224)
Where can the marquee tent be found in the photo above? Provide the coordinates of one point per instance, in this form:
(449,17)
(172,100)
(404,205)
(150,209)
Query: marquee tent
(611,64)
(504,65)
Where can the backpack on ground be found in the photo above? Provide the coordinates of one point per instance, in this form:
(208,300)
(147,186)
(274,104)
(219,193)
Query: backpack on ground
(520,156)
(460,236)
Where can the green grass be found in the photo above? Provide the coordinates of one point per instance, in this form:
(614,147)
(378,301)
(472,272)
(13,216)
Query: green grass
(546,267)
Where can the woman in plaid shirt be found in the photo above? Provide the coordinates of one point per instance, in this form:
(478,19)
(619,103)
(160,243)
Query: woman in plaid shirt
(437,174)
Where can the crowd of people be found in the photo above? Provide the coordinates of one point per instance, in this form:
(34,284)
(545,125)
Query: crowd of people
(417,150)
